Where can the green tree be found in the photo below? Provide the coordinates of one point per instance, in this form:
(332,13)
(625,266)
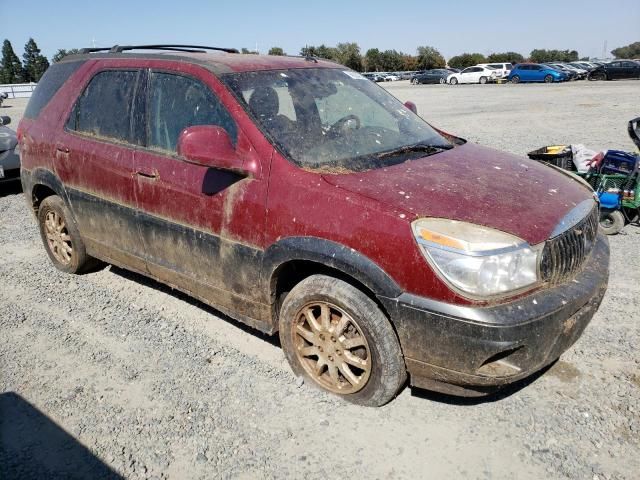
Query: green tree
(466,60)
(391,61)
(276,51)
(542,55)
(328,53)
(348,54)
(247,51)
(429,57)
(409,62)
(34,64)
(11,68)
(629,51)
(505,57)
(61,53)
(372,61)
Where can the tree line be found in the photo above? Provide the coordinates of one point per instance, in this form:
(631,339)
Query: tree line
(34,64)
(30,69)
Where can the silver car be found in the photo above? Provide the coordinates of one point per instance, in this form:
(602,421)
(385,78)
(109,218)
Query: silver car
(9,158)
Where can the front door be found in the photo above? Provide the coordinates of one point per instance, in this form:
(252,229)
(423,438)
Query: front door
(95,160)
(201,227)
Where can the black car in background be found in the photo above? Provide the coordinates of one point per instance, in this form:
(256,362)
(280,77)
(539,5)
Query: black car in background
(436,75)
(615,70)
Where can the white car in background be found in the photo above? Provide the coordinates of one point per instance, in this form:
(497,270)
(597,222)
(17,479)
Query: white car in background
(475,74)
(502,69)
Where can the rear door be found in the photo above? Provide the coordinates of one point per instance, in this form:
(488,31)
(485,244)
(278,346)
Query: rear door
(201,227)
(536,73)
(467,75)
(615,70)
(95,160)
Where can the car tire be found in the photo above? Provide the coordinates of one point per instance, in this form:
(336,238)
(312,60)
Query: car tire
(61,237)
(611,222)
(548,79)
(453,81)
(483,80)
(515,79)
(338,339)
(414,81)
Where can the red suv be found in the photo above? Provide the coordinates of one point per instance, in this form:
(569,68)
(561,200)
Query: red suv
(297,196)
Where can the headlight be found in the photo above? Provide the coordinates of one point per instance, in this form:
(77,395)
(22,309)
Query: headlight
(477,260)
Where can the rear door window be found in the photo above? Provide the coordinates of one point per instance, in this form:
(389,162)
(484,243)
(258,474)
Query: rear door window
(105,108)
(177,102)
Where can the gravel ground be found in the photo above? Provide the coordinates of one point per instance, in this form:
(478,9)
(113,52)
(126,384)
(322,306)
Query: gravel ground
(111,374)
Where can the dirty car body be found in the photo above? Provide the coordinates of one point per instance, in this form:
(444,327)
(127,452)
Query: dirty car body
(312,170)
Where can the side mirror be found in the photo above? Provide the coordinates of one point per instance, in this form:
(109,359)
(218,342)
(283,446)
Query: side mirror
(209,146)
(4,120)
(411,106)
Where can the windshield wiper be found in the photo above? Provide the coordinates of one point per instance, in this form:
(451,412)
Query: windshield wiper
(416,147)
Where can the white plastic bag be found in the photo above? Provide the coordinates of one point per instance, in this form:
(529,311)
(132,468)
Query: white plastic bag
(582,156)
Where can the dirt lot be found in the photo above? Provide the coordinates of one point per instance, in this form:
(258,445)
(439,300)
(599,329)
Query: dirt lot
(136,380)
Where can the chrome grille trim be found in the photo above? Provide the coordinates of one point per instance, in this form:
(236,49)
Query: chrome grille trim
(564,254)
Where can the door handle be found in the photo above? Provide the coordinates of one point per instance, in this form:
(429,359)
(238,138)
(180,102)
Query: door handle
(153,175)
(61,148)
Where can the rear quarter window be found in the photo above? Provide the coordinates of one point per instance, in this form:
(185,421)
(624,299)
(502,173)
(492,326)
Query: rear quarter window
(49,84)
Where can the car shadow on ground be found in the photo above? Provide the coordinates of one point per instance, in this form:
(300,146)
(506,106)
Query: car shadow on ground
(32,446)
(161,287)
(496,396)
(13,187)
(274,340)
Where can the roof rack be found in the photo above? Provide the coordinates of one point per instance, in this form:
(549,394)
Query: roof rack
(175,48)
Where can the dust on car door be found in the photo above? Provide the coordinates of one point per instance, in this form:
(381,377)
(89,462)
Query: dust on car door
(95,161)
(191,214)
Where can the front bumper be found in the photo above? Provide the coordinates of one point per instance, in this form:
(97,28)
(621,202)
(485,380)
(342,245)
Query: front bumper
(472,351)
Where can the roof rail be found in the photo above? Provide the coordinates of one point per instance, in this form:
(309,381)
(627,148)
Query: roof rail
(175,48)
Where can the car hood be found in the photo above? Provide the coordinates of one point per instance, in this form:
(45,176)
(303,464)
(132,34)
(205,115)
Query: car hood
(473,184)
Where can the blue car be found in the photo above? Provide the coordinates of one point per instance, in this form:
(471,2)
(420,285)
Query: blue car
(534,72)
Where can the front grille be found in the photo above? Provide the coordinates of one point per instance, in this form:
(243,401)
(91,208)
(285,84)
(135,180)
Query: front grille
(564,255)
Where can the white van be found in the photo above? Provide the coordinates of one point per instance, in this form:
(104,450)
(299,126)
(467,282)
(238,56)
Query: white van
(502,69)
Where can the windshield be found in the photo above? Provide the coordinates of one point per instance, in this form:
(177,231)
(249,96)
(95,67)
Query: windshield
(325,118)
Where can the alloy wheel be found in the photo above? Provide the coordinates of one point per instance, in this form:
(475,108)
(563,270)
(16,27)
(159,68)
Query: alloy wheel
(58,237)
(331,347)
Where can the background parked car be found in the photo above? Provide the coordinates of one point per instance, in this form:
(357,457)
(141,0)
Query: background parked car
(572,74)
(437,75)
(473,75)
(502,69)
(588,66)
(616,70)
(533,72)
(374,77)
(581,73)
(9,159)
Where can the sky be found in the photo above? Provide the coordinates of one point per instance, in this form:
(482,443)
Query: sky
(453,27)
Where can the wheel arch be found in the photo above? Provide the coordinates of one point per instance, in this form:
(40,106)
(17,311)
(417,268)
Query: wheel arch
(291,260)
(40,184)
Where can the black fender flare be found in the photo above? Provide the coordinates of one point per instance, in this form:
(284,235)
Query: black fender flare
(331,254)
(42,176)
